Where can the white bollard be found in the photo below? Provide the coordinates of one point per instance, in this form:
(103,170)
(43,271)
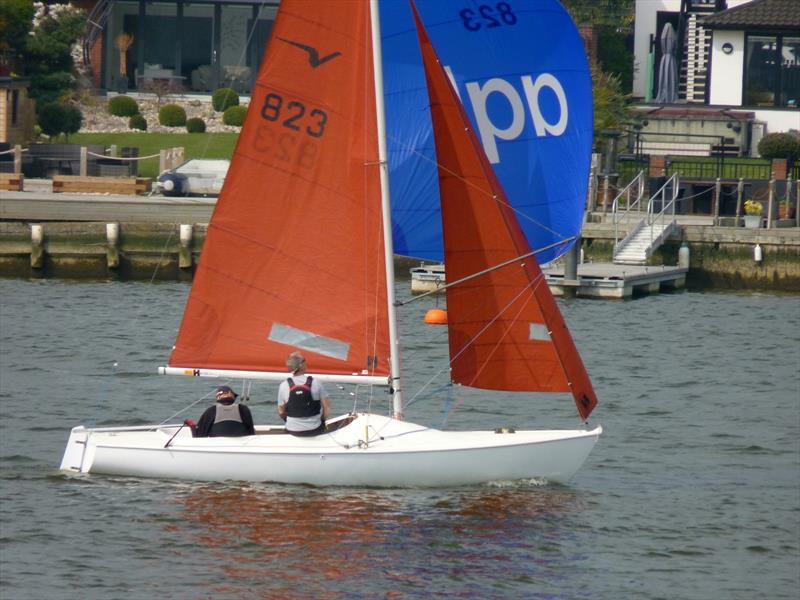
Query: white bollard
(758,253)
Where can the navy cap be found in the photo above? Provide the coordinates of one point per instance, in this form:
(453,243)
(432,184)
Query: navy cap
(224,389)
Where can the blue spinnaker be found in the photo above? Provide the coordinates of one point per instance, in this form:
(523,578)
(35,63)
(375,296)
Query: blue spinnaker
(521,71)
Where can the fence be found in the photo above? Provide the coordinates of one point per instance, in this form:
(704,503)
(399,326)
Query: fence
(46,160)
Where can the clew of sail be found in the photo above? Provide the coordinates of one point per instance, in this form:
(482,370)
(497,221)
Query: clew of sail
(505,329)
(289,258)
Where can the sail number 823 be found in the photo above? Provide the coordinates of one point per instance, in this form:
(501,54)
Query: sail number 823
(294,115)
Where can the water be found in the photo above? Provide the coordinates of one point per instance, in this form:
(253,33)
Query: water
(692,492)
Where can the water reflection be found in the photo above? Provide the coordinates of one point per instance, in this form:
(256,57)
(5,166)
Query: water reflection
(290,540)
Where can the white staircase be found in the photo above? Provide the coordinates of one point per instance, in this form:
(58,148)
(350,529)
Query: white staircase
(640,244)
(649,232)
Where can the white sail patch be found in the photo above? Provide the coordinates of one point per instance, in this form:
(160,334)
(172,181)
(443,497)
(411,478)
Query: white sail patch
(307,340)
(538,332)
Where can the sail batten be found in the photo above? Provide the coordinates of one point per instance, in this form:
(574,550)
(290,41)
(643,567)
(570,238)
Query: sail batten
(505,329)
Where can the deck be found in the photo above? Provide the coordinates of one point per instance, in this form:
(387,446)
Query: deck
(607,280)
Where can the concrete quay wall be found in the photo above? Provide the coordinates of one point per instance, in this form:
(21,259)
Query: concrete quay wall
(68,235)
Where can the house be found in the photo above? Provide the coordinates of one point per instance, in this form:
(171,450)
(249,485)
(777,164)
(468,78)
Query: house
(17,111)
(755,60)
(731,75)
(197,46)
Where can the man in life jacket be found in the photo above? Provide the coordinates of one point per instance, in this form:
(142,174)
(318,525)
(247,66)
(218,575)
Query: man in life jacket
(227,418)
(302,400)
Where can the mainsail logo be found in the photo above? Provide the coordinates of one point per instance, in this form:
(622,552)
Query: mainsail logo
(314,58)
(490,131)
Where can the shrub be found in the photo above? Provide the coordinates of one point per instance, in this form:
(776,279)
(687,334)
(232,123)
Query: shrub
(123,106)
(55,118)
(224,98)
(780,145)
(195,125)
(73,119)
(138,122)
(234,115)
(172,115)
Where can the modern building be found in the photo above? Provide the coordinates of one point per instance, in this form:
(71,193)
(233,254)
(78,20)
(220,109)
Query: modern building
(735,68)
(195,46)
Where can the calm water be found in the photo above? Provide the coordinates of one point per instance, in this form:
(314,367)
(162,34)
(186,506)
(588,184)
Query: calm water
(693,491)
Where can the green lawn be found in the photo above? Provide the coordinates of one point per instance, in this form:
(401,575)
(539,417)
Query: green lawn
(196,145)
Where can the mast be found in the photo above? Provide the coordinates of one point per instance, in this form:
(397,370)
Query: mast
(388,247)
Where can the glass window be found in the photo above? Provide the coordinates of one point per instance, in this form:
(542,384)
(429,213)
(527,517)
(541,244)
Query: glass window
(761,74)
(790,72)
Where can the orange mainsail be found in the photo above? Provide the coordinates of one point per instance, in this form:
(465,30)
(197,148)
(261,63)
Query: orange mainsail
(505,329)
(293,254)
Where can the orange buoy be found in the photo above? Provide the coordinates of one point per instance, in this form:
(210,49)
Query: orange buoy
(436,316)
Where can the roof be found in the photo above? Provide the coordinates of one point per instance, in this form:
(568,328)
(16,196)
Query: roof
(758,14)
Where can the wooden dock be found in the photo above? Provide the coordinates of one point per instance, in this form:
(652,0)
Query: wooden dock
(607,280)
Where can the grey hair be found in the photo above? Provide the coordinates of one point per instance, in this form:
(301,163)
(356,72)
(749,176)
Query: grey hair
(295,361)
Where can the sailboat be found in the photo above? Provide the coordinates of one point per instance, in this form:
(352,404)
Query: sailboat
(306,199)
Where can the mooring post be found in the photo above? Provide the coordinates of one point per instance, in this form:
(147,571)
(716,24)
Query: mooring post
(606,185)
(770,202)
(37,246)
(84,160)
(17,159)
(185,253)
(571,261)
(112,150)
(717,199)
(112,246)
(739,195)
(797,203)
(592,192)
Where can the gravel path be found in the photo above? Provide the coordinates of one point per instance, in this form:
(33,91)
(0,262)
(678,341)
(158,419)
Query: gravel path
(96,118)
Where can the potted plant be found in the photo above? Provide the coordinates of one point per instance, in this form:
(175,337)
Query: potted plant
(752,214)
(785,209)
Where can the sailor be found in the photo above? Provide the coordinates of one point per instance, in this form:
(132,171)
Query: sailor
(227,418)
(302,400)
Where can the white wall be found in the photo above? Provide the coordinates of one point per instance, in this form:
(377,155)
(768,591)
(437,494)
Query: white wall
(727,70)
(779,119)
(645,24)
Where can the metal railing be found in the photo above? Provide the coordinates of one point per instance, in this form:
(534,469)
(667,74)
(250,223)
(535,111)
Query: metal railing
(637,184)
(712,169)
(667,206)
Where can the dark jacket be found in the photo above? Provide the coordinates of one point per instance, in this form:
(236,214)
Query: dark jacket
(208,426)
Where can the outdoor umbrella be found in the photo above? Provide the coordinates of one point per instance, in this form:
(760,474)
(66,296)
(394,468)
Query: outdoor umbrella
(667,68)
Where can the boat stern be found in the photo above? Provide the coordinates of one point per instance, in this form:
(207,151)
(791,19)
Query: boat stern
(76,455)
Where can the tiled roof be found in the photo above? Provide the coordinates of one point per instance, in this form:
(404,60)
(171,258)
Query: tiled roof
(758,14)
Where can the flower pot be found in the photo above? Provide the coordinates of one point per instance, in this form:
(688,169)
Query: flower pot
(752,221)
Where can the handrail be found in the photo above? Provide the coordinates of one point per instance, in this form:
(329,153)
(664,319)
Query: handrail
(660,218)
(95,23)
(626,191)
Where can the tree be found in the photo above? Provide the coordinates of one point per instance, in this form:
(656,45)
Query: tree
(16,20)
(48,59)
(610,104)
(614,55)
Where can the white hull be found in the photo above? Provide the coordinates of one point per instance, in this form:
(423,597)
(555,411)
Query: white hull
(427,278)
(397,454)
